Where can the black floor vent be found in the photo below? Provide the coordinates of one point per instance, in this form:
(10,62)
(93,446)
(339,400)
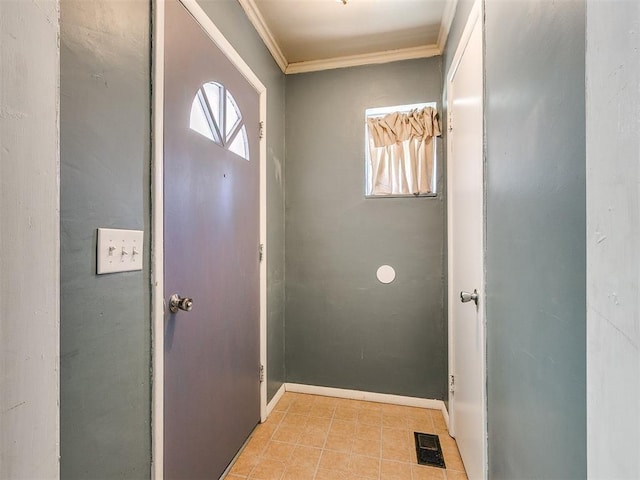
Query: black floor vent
(428,450)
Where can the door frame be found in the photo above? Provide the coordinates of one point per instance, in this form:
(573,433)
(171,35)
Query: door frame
(157,216)
(476,15)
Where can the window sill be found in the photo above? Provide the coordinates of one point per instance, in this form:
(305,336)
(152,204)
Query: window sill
(426,195)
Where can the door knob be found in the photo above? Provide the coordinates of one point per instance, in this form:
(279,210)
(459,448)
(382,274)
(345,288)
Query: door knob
(467,297)
(176,302)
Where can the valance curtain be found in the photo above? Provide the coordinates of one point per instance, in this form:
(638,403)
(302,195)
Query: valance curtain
(401,152)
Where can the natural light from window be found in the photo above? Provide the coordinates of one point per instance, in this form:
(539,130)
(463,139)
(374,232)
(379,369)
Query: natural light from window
(219,120)
(400,146)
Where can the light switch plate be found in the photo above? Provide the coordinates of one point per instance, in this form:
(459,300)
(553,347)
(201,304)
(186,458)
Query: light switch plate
(119,250)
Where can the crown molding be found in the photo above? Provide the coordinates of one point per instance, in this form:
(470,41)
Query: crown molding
(447,19)
(365,59)
(257,20)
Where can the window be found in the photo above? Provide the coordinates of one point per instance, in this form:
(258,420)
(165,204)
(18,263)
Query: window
(215,115)
(401,151)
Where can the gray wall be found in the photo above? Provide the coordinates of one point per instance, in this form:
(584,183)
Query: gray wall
(613,233)
(343,328)
(29,276)
(105,148)
(233,23)
(535,247)
(105,165)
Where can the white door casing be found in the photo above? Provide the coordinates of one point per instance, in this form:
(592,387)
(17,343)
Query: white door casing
(157,243)
(465,219)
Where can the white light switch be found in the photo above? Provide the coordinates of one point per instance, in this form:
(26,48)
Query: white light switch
(119,250)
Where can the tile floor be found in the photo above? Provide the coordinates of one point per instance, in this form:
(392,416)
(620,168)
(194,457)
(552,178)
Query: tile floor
(309,437)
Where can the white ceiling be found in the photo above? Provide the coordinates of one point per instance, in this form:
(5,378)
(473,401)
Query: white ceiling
(310,35)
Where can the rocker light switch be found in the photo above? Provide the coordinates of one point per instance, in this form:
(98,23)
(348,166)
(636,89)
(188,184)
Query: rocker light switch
(119,250)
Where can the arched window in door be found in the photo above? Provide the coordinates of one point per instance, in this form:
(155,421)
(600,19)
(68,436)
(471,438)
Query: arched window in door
(215,115)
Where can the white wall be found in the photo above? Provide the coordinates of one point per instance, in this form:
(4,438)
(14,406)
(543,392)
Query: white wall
(613,239)
(29,246)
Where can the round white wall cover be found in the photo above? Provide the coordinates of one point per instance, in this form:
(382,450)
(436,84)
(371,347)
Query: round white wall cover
(386,274)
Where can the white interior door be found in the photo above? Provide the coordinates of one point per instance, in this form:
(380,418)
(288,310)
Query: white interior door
(466,226)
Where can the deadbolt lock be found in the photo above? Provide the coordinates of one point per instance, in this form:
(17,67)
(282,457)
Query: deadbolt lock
(176,302)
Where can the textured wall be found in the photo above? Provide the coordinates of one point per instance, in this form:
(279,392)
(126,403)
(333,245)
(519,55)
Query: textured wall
(29,276)
(343,328)
(613,236)
(232,22)
(105,148)
(105,320)
(535,239)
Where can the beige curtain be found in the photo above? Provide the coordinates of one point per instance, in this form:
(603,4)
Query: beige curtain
(401,152)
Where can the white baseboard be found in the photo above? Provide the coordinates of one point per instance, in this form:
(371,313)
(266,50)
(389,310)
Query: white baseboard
(370,397)
(276,398)
(445,414)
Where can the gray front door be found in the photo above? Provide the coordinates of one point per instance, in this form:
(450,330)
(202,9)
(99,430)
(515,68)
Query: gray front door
(211,238)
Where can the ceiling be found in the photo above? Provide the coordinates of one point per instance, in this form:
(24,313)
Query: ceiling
(311,35)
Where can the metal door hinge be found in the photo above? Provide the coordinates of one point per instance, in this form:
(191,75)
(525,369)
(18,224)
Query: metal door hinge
(452,383)
(261,252)
(261,130)
(261,373)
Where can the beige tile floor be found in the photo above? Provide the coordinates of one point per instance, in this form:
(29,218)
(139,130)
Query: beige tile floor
(309,437)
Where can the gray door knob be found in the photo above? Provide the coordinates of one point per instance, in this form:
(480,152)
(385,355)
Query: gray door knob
(176,302)
(467,297)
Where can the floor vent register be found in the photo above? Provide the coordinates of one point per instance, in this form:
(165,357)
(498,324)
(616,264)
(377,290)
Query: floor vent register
(428,450)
